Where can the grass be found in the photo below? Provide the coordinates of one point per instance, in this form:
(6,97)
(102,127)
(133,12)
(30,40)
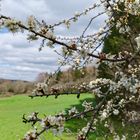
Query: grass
(12,109)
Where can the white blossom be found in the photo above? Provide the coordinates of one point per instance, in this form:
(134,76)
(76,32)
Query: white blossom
(116,112)
(31,22)
(137,39)
(73,111)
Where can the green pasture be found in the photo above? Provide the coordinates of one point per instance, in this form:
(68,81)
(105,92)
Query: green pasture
(12,109)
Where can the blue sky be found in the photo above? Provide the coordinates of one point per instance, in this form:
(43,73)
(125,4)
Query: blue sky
(19,58)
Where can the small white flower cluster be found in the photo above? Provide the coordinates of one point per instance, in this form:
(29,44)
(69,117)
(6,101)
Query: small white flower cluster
(123,24)
(130,83)
(133,116)
(58,131)
(99,81)
(83,52)
(77,61)
(106,124)
(104,114)
(111,108)
(124,30)
(41,89)
(33,116)
(46,31)
(31,135)
(32,37)
(50,34)
(121,103)
(62,113)
(96,85)
(53,121)
(133,70)
(12,25)
(116,112)
(73,111)
(137,39)
(117,137)
(87,105)
(68,23)
(50,43)
(84,130)
(67,38)
(82,87)
(57,123)
(31,22)
(43,86)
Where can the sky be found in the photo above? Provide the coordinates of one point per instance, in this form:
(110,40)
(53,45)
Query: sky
(19,58)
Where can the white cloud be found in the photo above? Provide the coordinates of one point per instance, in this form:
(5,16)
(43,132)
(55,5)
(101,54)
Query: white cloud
(22,57)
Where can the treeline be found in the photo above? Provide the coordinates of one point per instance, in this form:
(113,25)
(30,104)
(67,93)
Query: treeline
(62,79)
(69,77)
(10,87)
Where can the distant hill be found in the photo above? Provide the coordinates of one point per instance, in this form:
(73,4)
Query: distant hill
(9,80)
(61,79)
(10,87)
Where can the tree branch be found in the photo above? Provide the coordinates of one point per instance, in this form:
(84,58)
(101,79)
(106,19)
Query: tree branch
(62,43)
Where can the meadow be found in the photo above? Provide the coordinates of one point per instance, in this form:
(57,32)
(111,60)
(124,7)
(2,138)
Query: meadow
(12,109)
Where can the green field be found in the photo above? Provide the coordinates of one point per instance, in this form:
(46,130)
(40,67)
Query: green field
(12,109)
